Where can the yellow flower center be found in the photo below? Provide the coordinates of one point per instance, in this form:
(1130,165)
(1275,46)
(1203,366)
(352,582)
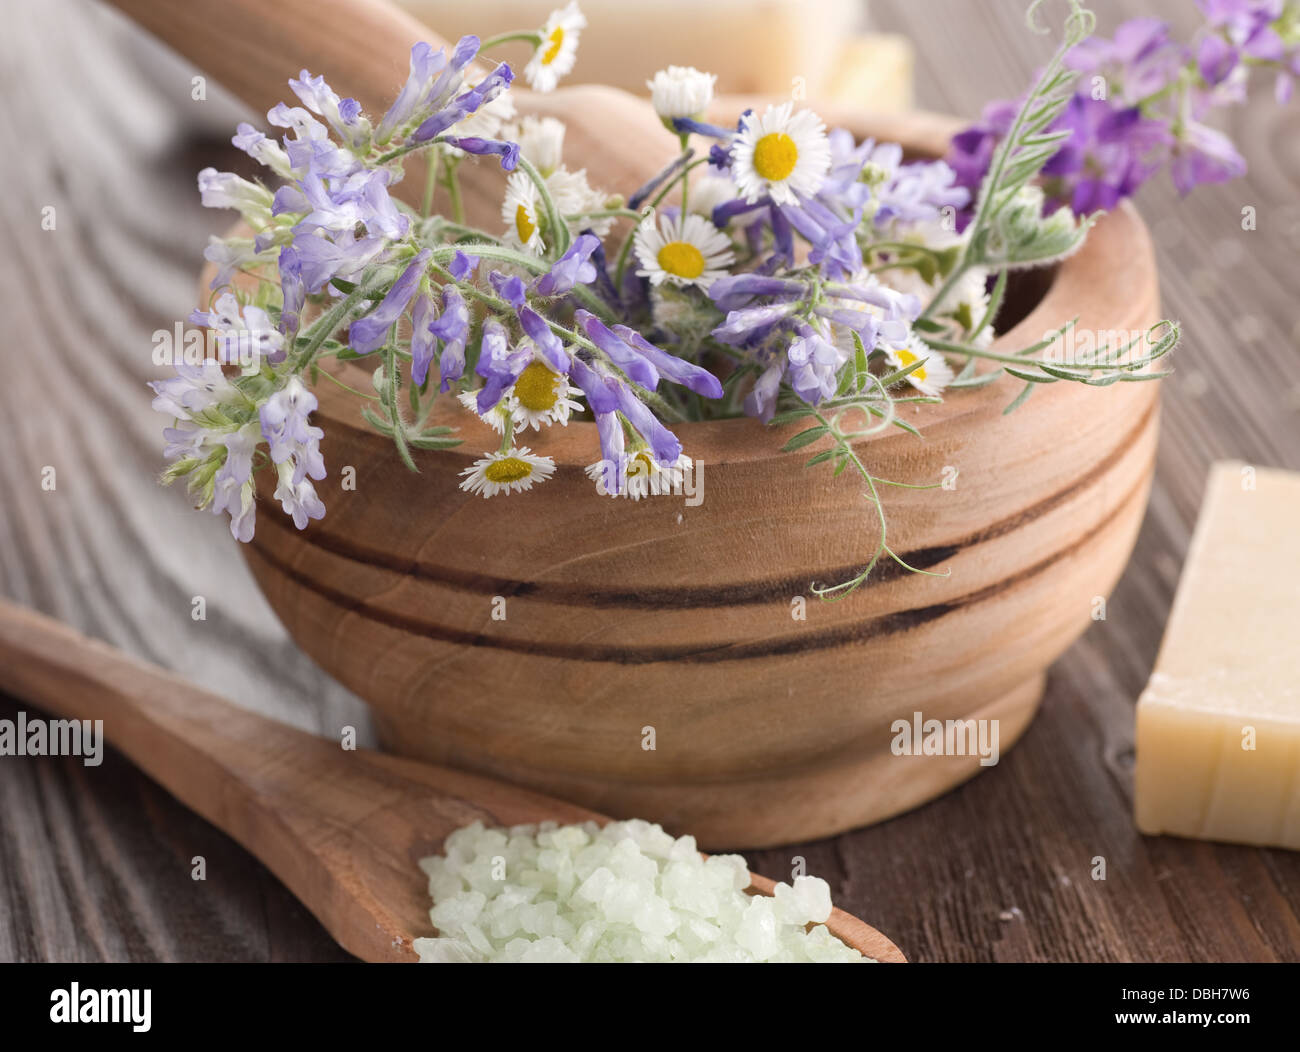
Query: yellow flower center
(775,156)
(536,388)
(507,470)
(682,259)
(524,225)
(906,358)
(640,466)
(553,44)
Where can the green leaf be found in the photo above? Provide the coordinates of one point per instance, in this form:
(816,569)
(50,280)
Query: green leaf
(804,438)
(1019,400)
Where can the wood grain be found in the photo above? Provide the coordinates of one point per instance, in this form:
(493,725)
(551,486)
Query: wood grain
(540,655)
(95,865)
(344,828)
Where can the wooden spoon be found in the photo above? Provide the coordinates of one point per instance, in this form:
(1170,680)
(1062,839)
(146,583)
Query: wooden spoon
(343,829)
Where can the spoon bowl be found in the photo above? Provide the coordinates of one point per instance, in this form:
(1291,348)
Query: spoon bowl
(343,829)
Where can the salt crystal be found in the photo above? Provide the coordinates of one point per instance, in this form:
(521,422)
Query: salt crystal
(627,891)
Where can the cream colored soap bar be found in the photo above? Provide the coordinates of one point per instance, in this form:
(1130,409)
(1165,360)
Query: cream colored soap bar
(752,45)
(1218,727)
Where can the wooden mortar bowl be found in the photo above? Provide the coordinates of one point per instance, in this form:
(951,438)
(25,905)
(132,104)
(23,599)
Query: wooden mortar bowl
(623,616)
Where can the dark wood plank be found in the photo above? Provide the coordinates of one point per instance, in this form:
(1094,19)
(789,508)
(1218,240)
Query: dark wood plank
(95,864)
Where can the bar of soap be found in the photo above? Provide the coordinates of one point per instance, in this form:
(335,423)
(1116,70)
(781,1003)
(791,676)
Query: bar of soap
(873,72)
(1218,727)
(757,46)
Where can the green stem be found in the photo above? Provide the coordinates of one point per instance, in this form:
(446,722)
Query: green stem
(402,151)
(645,213)
(322,329)
(453,190)
(430,184)
(531,36)
(559,231)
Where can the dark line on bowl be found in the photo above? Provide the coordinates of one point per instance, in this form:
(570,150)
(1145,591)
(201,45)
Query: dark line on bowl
(885,624)
(745,593)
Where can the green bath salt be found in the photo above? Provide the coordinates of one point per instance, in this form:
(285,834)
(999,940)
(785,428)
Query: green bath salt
(626,891)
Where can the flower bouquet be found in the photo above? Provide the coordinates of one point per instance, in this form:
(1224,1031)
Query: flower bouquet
(831,286)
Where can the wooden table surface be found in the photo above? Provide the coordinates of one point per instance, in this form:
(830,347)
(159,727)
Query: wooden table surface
(95,863)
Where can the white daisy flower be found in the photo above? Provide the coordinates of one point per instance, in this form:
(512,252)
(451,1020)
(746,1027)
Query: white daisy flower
(556,54)
(515,470)
(642,476)
(521,212)
(782,153)
(930,378)
(573,195)
(687,251)
(680,91)
(647,477)
(709,191)
(542,396)
(495,417)
(541,141)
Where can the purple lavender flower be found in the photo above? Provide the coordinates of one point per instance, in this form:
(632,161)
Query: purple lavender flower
(343,115)
(227,190)
(812,365)
(507,151)
(464,104)
(599,388)
(833,238)
(194,388)
(369,333)
(751,323)
(462,266)
(1203,155)
(286,426)
(498,363)
(432,82)
(544,338)
(230,255)
(1109,154)
(1141,59)
(452,329)
(233,483)
(422,338)
(1245,29)
(918,192)
(971,150)
(263,150)
(510,287)
(321,259)
(293,291)
(243,335)
(738,290)
(298,499)
(663,443)
(638,368)
(677,370)
(613,456)
(571,269)
(761,400)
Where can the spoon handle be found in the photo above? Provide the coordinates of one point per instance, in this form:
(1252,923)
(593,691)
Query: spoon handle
(214,757)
